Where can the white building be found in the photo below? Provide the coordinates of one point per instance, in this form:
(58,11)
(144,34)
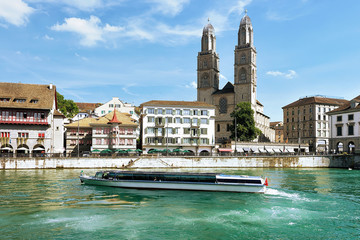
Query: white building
(29,121)
(116,103)
(178,125)
(345,127)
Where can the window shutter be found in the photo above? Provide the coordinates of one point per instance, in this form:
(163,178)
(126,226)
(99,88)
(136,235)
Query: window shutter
(199,111)
(156,111)
(181,120)
(173,112)
(182,141)
(173,131)
(181,112)
(145,130)
(207,121)
(164,111)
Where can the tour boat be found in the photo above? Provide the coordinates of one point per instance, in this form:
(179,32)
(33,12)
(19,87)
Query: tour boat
(177,181)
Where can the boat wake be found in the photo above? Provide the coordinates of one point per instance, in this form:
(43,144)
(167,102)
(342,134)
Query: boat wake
(292,196)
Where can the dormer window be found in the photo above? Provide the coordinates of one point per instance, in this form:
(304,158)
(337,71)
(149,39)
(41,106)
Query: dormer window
(34,101)
(4,99)
(19,100)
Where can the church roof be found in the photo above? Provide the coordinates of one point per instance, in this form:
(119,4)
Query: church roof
(245,20)
(208,28)
(228,88)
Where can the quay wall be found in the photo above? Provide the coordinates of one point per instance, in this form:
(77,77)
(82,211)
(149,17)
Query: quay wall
(333,161)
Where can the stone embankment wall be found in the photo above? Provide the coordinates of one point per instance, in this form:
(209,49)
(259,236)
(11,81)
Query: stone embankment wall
(343,161)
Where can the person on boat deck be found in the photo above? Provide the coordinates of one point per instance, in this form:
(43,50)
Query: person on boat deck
(155,179)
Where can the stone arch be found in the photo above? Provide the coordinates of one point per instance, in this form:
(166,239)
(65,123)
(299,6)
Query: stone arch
(339,147)
(242,36)
(38,150)
(223,105)
(204,153)
(351,147)
(22,150)
(250,35)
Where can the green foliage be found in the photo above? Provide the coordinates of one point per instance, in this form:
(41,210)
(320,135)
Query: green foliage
(245,123)
(66,106)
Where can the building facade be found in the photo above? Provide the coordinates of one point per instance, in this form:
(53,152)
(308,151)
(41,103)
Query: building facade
(245,81)
(114,131)
(116,103)
(279,131)
(345,127)
(305,121)
(30,125)
(178,125)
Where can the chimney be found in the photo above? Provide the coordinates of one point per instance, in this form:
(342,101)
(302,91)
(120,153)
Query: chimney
(50,86)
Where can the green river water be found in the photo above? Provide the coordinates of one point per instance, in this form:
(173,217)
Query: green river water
(299,204)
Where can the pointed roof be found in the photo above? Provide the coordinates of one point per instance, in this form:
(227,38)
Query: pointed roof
(114,118)
(228,88)
(245,20)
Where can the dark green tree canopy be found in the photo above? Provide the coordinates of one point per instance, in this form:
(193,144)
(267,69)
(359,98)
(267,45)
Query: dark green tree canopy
(245,123)
(66,106)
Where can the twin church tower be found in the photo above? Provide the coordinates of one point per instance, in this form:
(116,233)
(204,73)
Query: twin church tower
(245,81)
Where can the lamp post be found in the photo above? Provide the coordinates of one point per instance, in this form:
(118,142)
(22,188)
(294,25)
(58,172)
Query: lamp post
(78,140)
(167,134)
(235,135)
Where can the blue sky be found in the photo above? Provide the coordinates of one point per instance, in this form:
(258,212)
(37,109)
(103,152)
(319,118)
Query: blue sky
(141,50)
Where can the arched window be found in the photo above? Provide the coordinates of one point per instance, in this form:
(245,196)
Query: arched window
(243,36)
(223,105)
(250,35)
(242,77)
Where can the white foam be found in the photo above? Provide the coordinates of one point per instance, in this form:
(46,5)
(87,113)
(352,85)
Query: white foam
(292,196)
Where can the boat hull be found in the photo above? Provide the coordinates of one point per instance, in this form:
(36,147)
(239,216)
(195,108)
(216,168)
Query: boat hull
(253,188)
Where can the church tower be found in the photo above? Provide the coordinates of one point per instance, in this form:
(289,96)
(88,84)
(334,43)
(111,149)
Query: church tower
(207,66)
(245,64)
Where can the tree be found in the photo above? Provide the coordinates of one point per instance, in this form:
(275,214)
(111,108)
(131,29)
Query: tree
(66,106)
(245,123)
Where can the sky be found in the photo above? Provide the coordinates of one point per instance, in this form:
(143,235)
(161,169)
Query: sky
(142,50)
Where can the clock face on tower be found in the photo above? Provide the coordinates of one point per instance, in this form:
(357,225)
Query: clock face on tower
(205,81)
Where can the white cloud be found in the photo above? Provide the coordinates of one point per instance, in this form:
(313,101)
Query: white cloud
(239,6)
(15,12)
(223,77)
(191,85)
(90,30)
(168,7)
(289,75)
(81,57)
(46,37)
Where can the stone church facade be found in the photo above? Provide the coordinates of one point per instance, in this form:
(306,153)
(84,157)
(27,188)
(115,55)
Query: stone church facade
(242,90)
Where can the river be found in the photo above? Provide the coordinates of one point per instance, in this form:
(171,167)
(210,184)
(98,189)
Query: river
(299,204)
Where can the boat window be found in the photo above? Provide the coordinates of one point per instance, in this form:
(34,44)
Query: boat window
(229,180)
(98,175)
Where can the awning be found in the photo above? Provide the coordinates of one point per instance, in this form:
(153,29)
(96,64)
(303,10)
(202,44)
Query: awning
(39,149)
(6,148)
(246,149)
(22,149)
(225,150)
(276,150)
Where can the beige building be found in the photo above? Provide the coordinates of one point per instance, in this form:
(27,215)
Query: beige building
(279,131)
(345,127)
(305,121)
(114,131)
(245,81)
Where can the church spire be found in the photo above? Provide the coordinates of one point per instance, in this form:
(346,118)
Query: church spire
(208,40)
(245,34)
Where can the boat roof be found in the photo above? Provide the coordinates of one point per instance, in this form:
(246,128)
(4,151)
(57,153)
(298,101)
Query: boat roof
(179,173)
(159,173)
